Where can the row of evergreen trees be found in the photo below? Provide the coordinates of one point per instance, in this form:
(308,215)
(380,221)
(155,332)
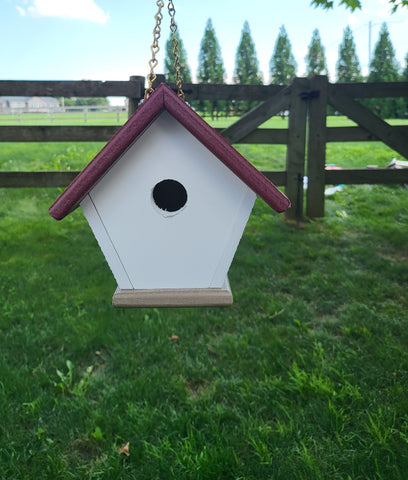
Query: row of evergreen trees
(384,66)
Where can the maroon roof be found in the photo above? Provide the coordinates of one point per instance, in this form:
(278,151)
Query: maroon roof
(164,98)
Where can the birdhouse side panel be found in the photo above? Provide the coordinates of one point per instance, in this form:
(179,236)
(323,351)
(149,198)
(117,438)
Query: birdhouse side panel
(185,234)
(231,244)
(105,243)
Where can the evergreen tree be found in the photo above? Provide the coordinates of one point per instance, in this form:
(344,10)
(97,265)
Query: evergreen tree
(169,69)
(246,62)
(384,67)
(210,65)
(404,78)
(348,66)
(282,66)
(315,58)
(246,67)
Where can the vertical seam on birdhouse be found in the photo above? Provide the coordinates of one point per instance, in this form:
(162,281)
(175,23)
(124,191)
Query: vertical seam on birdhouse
(235,233)
(110,240)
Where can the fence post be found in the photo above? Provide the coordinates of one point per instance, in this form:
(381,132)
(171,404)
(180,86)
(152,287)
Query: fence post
(316,153)
(134,102)
(295,153)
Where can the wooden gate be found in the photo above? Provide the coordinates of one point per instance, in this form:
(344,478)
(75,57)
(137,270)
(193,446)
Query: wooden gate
(307,100)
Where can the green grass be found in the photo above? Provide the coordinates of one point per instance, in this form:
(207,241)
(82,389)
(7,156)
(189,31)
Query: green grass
(304,377)
(75,156)
(47,156)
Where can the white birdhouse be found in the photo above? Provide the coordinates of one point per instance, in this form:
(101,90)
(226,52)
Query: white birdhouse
(168,199)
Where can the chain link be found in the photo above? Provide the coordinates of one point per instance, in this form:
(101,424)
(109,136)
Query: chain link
(151,77)
(176,53)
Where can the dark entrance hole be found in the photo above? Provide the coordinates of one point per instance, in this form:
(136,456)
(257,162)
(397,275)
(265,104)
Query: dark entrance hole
(170,195)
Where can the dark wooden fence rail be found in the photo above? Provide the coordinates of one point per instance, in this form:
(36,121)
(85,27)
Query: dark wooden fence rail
(306,136)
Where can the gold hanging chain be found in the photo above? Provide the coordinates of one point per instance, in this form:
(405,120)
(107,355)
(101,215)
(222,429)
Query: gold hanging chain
(151,77)
(176,53)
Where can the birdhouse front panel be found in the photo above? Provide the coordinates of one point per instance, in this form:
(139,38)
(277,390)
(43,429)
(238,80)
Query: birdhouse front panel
(168,214)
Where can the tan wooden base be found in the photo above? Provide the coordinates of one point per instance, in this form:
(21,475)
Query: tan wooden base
(189,297)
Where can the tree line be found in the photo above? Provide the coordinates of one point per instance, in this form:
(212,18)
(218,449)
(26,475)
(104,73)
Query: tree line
(384,66)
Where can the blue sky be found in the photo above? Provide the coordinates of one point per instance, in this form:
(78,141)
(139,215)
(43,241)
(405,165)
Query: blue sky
(110,39)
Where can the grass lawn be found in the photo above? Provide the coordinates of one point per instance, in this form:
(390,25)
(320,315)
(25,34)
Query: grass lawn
(304,377)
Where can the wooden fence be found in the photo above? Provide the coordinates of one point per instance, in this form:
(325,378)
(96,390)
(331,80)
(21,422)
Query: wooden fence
(306,137)
(83,114)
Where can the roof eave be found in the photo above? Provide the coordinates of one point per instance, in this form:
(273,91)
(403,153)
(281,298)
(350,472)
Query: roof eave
(225,152)
(70,199)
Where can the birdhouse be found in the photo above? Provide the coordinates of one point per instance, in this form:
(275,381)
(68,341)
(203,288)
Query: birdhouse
(168,199)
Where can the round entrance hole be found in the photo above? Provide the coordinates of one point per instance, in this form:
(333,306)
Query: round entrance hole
(169,195)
